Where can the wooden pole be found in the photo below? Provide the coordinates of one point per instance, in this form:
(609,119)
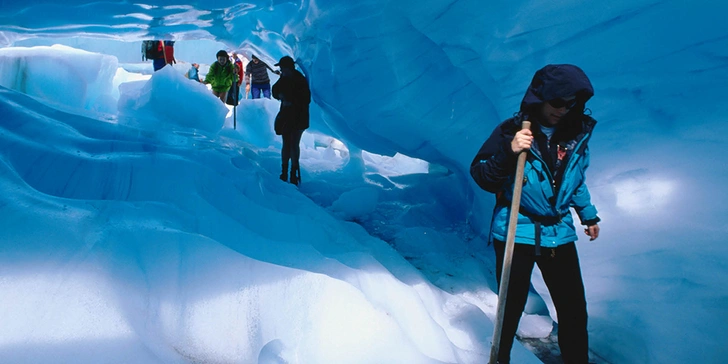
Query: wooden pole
(508,256)
(235,112)
(235,96)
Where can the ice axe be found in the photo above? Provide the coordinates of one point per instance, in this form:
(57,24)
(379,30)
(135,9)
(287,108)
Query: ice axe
(236,97)
(235,106)
(508,256)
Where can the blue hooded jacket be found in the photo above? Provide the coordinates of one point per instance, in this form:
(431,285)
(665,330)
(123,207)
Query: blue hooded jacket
(550,189)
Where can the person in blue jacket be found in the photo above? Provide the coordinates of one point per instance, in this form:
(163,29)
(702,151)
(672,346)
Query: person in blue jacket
(553,182)
(194,72)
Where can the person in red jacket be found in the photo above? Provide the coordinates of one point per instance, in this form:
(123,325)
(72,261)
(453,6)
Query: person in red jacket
(239,66)
(165,49)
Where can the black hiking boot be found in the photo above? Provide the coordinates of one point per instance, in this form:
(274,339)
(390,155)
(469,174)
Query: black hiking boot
(295,176)
(284,173)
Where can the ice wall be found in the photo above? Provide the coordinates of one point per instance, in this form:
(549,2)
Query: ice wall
(60,75)
(430,79)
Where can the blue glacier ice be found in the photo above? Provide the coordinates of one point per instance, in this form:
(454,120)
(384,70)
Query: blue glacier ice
(138,225)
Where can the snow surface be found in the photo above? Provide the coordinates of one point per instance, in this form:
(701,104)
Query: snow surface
(139,226)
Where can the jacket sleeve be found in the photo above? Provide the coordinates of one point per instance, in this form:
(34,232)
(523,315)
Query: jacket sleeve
(169,54)
(275,90)
(210,77)
(239,66)
(495,161)
(282,88)
(581,201)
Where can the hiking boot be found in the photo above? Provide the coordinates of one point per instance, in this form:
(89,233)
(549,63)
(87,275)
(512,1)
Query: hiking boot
(284,173)
(295,176)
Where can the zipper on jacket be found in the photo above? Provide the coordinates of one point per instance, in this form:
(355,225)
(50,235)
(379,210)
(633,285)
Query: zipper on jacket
(569,166)
(551,178)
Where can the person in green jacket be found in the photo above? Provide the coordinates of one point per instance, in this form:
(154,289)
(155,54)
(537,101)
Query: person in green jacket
(221,75)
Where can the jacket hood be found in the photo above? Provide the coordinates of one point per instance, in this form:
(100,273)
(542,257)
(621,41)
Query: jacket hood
(556,81)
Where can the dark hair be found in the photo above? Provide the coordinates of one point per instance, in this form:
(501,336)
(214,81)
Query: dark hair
(221,53)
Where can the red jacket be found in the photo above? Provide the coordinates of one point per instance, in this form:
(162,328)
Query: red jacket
(168,52)
(239,65)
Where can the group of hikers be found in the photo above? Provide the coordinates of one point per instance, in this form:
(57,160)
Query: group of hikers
(226,74)
(225,78)
(555,157)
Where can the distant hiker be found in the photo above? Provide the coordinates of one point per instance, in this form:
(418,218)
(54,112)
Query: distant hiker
(160,52)
(194,72)
(257,73)
(241,71)
(234,94)
(292,119)
(221,75)
(558,156)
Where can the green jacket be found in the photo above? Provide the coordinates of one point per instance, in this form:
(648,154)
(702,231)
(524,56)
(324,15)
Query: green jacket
(220,77)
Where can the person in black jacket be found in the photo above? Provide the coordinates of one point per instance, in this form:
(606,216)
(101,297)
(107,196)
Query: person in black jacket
(292,119)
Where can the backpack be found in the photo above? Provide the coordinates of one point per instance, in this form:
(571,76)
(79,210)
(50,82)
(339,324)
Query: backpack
(150,50)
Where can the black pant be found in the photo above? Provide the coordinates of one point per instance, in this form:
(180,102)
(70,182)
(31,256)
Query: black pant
(562,275)
(232,96)
(291,149)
